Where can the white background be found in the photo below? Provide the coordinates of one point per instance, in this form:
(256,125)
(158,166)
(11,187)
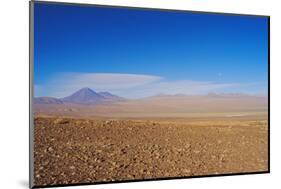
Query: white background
(14,69)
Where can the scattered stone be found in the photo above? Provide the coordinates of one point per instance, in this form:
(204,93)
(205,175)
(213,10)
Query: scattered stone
(71,167)
(61,121)
(196,151)
(186,171)
(50,149)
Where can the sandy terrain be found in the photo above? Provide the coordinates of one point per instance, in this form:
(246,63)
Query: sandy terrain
(160,106)
(69,150)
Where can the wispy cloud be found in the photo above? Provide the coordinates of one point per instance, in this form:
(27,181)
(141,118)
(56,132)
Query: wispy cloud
(186,87)
(63,84)
(130,85)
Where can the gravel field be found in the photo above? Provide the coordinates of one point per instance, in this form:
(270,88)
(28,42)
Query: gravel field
(68,150)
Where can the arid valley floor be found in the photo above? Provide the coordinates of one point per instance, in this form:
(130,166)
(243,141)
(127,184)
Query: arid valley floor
(76,150)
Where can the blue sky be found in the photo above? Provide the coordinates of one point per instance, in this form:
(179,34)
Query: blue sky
(137,53)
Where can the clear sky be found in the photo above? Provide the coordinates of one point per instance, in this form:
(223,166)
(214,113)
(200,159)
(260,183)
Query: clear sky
(136,53)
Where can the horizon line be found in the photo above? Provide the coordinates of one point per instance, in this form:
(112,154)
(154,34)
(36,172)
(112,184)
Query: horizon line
(163,94)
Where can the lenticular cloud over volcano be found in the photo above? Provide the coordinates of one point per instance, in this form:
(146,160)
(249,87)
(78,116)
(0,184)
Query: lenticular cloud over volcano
(134,85)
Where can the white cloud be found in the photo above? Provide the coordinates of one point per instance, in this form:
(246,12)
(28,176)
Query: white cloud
(131,85)
(186,87)
(63,84)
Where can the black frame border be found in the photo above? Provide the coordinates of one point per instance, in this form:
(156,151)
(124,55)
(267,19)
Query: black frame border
(31,78)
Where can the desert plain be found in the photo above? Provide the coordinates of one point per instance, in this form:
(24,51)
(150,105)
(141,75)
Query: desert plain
(119,142)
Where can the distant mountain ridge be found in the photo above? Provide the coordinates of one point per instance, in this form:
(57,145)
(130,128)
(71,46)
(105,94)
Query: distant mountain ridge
(88,103)
(109,96)
(87,96)
(47,100)
(83,96)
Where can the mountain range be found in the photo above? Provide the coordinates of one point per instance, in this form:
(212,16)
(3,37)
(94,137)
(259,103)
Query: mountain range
(88,103)
(84,96)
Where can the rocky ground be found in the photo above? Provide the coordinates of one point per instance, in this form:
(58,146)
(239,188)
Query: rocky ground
(68,151)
